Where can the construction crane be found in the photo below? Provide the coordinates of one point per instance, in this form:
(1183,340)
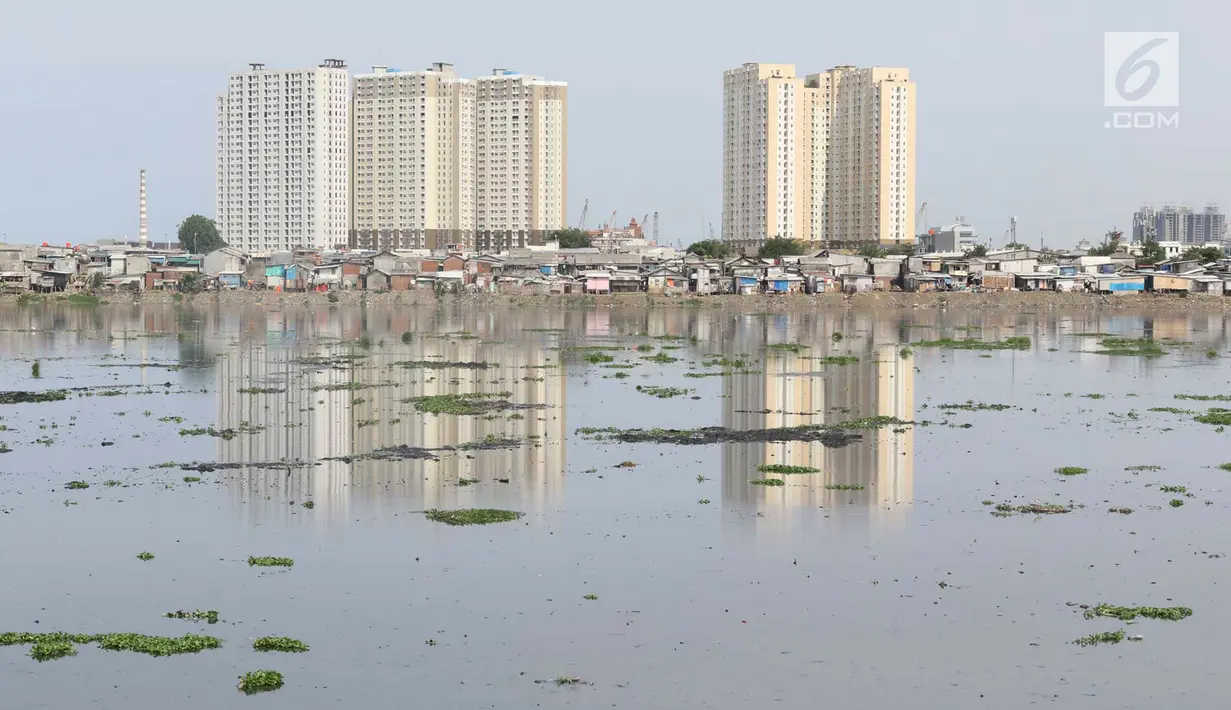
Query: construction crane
(921,219)
(585,209)
(644,221)
(655,227)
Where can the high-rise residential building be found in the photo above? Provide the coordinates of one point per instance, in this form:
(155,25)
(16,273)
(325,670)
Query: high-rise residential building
(522,149)
(282,167)
(829,158)
(1173,223)
(439,160)
(412,159)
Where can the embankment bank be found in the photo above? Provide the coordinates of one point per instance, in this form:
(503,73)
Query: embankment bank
(1024,302)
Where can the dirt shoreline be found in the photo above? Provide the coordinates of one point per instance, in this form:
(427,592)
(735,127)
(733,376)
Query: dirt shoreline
(1033,302)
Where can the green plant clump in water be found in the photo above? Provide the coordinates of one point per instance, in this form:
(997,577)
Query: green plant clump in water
(1143,467)
(1120,510)
(973,406)
(1215,416)
(768,482)
(270,562)
(783,468)
(192,479)
(1225,466)
(1072,470)
(1176,503)
(254,682)
(664,392)
(407,337)
(838,360)
(591,597)
(598,358)
(36,370)
(260,390)
(1129,613)
(145,556)
(844,487)
(1033,509)
(1142,347)
(1104,637)
(1019,342)
(309,504)
(76,485)
(52,650)
(83,299)
(209,617)
(279,643)
(1205,397)
(467,404)
(1173,489)
(31,397)
(661,358)
(472,516)
(157,645)
(789,347)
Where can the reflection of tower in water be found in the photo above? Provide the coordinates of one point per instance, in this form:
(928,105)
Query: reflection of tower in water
(799,390)
(311,412)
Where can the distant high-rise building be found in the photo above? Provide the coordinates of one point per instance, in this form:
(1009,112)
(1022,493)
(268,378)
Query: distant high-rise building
(282,165)
(828,158)
(412,159)
(522,150)
(1174,223)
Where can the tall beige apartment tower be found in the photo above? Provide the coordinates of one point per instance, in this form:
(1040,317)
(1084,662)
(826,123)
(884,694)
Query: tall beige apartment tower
(412,159)
(827,159)
(522,150)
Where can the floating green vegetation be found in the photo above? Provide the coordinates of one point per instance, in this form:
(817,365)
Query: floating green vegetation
(972,406)
(1099,638)
(837,336)
(1171,410)
(20,397)
(341,387)
(783,468)
(1205,397)
(1072,470)
(442,365)
(1215,416)
(768,482)
(224,434)
(254,682)
(591,597)
(596,358)
(843,487)
(4,448)
(279,643)
(338,361)
(1225,466)
(52,650)
(1095,395)
(626,464)
(261,390)
(1141,347)
(30,298)
(725,362)
(1129,613)
(112,483)
(834,435)
(407,337)
(1121,510)
(664,392)
(472,516)
(1035,508)
(788,347)
(563,680)
(1143,467)
(309,504)
(157,645)
(1175,503)
(36,370)
(617,376)
(490,441)
(644,348)
(724,373)
(270,562)
(1173,489)
(838,360)
(145,556)
(467,481)
(1019,342)
(171,420)
(704,501)
(192,479)
(661,358)
(466,404)
(209,617)
(76,485)
(622,366)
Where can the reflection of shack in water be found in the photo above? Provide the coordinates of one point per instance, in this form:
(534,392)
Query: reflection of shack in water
(798,390)
(304,412)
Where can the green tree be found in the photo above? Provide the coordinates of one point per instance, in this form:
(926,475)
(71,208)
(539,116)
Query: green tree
(570,238)
(777,247)
(976,250)
(1015,245)
(199,235)
(191,283)
(1151,253)
(871,250)
(97,279)
(1203,254)
(711,249)
(1107,249)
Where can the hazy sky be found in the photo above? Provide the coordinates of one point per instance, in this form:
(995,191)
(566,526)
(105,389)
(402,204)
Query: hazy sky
(1010,117)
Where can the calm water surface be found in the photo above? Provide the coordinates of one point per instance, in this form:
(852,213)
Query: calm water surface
(712,592)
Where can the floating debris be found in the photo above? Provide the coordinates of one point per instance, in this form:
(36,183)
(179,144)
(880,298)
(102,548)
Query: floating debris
(1121,510)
